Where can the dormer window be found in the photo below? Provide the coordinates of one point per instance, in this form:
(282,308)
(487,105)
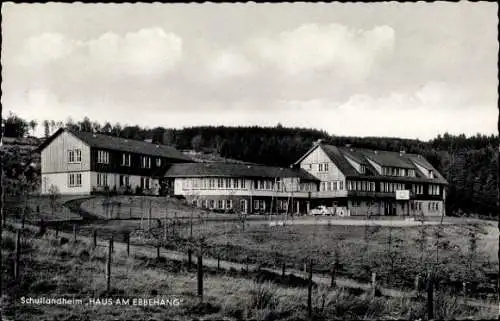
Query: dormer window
(158,162)
(362,169)
(431,174)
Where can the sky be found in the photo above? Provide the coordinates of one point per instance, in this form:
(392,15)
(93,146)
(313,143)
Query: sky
(410,70)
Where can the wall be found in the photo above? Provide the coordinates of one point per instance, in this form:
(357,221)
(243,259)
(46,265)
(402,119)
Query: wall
(61,181)
(54,157)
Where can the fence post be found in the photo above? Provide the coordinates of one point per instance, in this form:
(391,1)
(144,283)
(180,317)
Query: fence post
(149,218)
(74,233)
(305,270)
(309,290)
(128,243)
(200,276)
(18,254)
(190,253)
(283,269)
(374,284)
(112,242)
(165,227)
(108,265)
(157,251)
(218,263)
(333,271)
(94,237)
(430,297)
(57,230)
(130,212)
(247,264)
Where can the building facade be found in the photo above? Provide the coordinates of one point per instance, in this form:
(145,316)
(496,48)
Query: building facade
(243,188)
(82,163)
(371,182)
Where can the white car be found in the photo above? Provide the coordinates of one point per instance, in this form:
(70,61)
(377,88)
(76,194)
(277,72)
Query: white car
(321,210)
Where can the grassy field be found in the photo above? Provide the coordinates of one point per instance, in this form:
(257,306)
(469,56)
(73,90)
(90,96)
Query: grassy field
(75,270)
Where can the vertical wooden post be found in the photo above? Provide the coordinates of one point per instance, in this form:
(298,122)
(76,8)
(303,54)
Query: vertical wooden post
(128,243)
(218,263)
(149,218)
(190,253)
(165,227)
(108,265)
(374,284)
(74,232)
(464,289)
(112,242)
(283,269)
(200,276)
(430,297)
(157,251)
(417,284)
(309,290)
(130,212)
(17,261)
(247,264)
(94,237)
(57,230)
(305,270)
(333,271)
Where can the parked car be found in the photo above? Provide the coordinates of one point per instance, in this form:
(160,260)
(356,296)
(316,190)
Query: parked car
(321,210)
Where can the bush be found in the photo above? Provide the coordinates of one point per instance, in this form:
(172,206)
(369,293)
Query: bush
(138,190)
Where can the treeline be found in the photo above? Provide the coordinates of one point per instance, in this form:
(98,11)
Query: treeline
(468,163)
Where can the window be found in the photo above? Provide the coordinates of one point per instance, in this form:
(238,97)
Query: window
(74,180)
(125,159)
(145,162)
(341,185)
(102,179)
(158,162)
(220,204)
(325,166)
(362,169)
(261,184)
(373,186)
(229,204)
(320,167)
(329,186)
(256,204)
(268,185)
(122,182)
(220,183)
(103,157)
(235,183)
(194,203)
(74,156)
(211,203)
(411,172)
(204,204)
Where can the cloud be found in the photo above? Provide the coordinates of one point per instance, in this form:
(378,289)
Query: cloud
(228,64)
(149,51)
(311,47)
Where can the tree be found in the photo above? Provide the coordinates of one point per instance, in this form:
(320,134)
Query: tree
(46,128)
(106,129)
(116,130)
(15,126)
(197,143)
(33,124)
(169,137)
(52,126)
(85,125)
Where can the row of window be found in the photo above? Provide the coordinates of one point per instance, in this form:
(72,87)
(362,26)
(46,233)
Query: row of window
(431,206)
(417,189)
(391,187)
(102,180)
(332,186)
(397,171)
(214,183)
(433,189)
(361,186)
(213,204)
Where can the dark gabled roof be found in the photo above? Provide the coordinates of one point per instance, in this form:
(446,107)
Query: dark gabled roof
(383,158)
(121,144)
(234,170)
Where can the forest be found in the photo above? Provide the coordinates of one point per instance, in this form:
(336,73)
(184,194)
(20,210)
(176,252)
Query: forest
(468,163)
